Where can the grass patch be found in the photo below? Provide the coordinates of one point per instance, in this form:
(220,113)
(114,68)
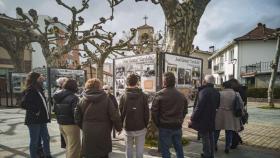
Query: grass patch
(269,107)
(154,142)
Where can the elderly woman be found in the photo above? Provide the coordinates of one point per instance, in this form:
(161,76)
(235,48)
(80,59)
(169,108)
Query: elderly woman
(96,114)
(225,118)
(65,103)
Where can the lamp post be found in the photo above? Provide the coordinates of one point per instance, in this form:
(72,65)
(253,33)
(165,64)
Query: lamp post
(233,62)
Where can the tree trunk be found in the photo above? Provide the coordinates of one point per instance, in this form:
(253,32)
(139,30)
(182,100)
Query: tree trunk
(18,60)
(273,74)
(99,71)
(50,59)
(182,20)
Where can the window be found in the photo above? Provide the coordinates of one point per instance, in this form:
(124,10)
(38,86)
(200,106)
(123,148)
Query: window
(209,64)
(231,53)
(226,56)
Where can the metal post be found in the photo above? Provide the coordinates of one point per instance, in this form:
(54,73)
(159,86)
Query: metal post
(90,69)
(233,70)
(11,88)
(49,89)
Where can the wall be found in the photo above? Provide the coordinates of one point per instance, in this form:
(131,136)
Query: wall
(228,66)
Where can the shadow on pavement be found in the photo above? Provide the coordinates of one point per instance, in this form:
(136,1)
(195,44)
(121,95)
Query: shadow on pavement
(14,151)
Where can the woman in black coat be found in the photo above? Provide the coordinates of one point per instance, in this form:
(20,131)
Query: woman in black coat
(64,107)
(37,114)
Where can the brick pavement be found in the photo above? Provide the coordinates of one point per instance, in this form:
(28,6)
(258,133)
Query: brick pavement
(257,135)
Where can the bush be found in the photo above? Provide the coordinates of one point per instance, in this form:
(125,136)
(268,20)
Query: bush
(262,93)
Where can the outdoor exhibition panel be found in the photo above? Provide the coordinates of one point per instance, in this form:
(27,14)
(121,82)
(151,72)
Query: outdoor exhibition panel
(17,80)
(143,65)
(187,70)
(150,67)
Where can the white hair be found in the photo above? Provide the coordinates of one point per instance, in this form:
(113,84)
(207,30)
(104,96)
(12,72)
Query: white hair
(106,87)
(60,81)
(209,79)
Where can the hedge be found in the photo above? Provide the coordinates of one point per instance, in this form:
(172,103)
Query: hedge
(262,93)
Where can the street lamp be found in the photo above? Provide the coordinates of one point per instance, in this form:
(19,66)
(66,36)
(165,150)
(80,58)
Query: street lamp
(233,62)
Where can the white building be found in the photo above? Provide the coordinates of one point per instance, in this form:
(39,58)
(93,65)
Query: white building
(247,58)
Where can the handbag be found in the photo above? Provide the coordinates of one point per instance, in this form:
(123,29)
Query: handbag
(237,106)
(245,117)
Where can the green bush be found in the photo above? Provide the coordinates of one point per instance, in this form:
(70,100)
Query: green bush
(262,93)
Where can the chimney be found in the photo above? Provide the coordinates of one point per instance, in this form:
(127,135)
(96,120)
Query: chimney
(260,24)
(211,49)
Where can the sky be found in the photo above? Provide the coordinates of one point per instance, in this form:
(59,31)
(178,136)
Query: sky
(222,21)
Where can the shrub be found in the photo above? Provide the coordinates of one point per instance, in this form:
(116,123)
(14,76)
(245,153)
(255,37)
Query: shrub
(262,93)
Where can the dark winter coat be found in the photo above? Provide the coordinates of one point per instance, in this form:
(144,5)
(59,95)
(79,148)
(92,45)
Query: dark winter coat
(96,114)
(134,109)
(36,110)
(203,117)
(169,108)
(65,103)
(114,100)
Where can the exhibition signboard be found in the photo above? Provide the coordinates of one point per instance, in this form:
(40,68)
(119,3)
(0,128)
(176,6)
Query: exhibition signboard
(150,68)
(187,70)
(78,75)
(143,65)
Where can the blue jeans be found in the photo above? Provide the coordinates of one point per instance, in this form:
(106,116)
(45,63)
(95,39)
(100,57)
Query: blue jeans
(228,138)
(207,144)
(37,131)
(167,137)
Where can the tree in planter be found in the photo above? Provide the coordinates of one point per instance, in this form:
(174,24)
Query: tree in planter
(274,67)
(182,20)
(105,46)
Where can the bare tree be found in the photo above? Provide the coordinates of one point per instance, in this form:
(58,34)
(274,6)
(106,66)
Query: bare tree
(12,41)
(274,67)
(182,20)
(105,46)
(49,36)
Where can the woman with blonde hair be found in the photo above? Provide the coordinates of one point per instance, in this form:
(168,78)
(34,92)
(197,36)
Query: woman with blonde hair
(96,115)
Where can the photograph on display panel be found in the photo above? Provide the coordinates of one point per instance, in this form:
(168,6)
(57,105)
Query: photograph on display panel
(187,70)
(143,65)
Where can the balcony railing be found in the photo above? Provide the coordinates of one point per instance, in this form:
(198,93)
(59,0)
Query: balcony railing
(219,68)
(258,68)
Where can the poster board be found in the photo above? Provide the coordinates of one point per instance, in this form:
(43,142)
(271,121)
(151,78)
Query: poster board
(78,75)
(18,82)
(143,65)
(187,70)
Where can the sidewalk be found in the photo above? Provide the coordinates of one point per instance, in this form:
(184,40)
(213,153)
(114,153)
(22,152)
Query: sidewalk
(263,129)
(14,140)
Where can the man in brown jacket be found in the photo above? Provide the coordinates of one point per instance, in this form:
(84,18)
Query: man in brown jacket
(134,111)
(169,109)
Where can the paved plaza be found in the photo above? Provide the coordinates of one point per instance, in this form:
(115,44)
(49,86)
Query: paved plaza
(261,140)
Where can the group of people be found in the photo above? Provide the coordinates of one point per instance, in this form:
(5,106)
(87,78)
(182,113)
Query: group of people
(95,113)
(215,111)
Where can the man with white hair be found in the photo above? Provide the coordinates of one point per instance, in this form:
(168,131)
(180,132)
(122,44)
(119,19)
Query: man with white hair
(60,81)
(203,117)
